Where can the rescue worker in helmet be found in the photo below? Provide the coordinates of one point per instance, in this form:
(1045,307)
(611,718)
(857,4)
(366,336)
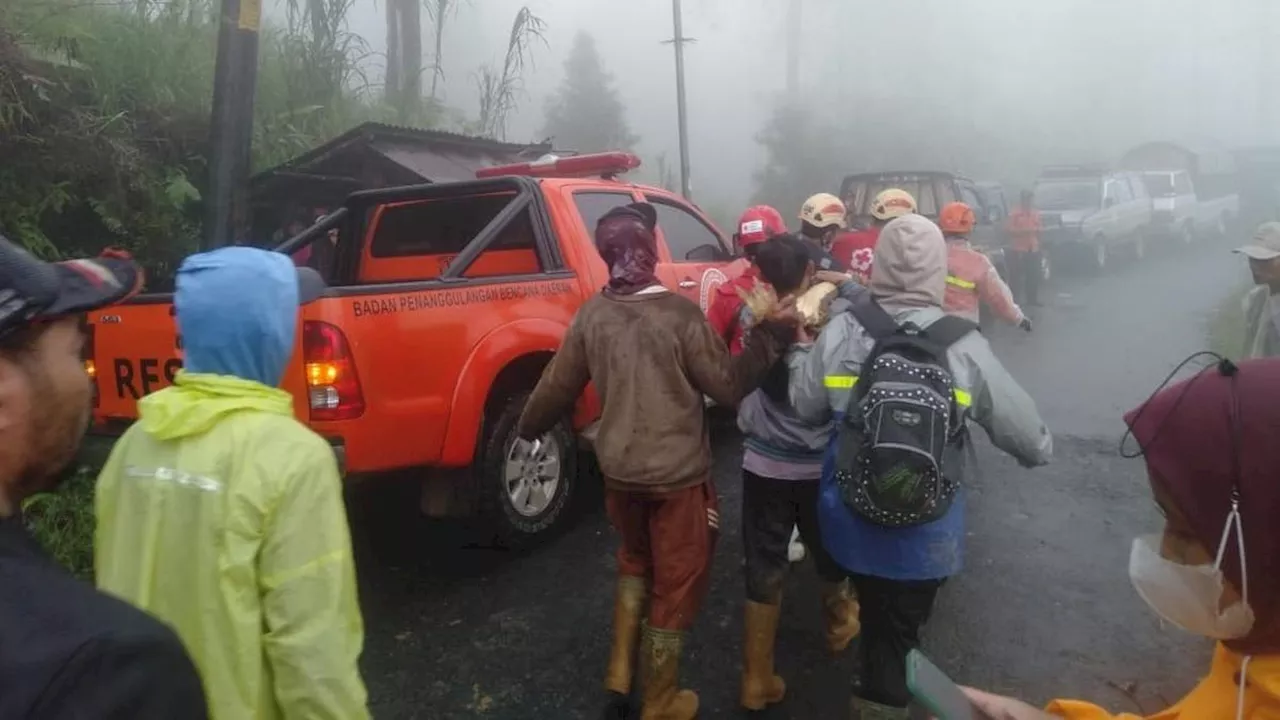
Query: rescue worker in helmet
(756,225)
(971,278)
(821,220)
(857,249)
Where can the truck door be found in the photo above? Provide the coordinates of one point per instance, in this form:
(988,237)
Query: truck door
(698,254)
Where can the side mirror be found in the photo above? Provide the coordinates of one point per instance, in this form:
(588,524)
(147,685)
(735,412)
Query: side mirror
(708,253)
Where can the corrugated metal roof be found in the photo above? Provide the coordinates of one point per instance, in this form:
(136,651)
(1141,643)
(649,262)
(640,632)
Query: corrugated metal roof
(435,155)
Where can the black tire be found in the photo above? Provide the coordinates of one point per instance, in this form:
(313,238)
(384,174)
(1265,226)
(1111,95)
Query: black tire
(511,527)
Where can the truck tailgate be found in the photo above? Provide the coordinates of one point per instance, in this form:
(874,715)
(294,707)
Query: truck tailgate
(135,352)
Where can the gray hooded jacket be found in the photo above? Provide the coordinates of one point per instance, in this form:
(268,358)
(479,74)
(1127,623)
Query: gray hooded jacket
(908,279)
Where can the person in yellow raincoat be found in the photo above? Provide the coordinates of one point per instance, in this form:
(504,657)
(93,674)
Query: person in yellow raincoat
(1212,458)
(221,514)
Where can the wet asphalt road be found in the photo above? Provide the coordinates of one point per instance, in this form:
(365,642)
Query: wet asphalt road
(1043,609)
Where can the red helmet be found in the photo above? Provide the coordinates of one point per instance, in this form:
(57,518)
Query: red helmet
(758,224)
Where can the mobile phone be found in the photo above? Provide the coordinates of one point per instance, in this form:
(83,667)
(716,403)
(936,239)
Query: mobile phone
(935,691)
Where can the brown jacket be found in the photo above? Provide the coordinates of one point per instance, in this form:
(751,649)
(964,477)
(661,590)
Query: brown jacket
(652,356)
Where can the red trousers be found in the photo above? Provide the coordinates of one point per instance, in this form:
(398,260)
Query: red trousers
(668,539)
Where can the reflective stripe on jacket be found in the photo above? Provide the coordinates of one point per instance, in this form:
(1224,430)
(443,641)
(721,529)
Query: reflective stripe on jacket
(222,515)
(971,280)
(823,384)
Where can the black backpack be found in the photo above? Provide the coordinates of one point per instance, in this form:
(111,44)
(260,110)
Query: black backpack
(899,454)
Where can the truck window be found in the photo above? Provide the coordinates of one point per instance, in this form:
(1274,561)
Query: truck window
(683,231)
(1182,184)
(969,196)
(1118,190)
(417,240)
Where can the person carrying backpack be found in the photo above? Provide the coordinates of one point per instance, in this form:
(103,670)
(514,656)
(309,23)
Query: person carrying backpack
(902,379)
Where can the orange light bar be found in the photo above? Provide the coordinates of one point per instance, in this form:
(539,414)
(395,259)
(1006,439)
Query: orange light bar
(607,164)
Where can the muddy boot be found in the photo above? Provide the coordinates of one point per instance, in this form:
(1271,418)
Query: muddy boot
(628,606)
(840,610)
(660,669)
(760,687)
(867,710)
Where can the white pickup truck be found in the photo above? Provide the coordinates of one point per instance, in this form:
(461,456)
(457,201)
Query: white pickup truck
(1179,213)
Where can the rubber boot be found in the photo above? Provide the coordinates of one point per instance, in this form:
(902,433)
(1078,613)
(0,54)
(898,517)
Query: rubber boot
(628,607)
(760,686)
(840,610)
(867,710)
(660,668)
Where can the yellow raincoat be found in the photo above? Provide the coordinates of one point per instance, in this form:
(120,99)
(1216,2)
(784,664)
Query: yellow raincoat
(222,515)
(1213,699)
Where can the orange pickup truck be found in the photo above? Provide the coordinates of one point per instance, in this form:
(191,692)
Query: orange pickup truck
(446,302)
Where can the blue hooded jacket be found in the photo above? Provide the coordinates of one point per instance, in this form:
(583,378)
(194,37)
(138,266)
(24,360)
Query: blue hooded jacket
(237,310)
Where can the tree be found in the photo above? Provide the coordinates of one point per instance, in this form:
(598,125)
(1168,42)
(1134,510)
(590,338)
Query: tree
(586,114)
(500,89)
(404,57)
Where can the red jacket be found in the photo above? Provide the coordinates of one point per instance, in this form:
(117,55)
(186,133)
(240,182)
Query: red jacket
(857,250)
(725,311)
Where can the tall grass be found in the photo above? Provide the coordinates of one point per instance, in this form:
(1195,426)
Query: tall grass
(63,522)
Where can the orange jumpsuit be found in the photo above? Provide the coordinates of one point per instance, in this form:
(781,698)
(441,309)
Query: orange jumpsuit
(971,280)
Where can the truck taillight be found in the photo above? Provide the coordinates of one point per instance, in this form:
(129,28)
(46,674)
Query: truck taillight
(90,367)
(333,387)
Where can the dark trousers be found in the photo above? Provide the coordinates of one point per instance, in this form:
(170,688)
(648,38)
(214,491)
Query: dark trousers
(668,539)
(893,612)
(770,508)
(1026,273)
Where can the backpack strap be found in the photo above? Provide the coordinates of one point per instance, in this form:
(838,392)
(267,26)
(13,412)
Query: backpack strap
(878,323)
(948,330)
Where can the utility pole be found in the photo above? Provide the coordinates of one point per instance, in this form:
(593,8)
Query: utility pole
(226,201)
(682,117)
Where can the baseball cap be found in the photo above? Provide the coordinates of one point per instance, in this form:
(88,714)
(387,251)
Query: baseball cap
(32,290)
(1266,243)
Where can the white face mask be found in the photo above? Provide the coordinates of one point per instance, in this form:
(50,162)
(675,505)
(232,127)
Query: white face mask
(1189,596)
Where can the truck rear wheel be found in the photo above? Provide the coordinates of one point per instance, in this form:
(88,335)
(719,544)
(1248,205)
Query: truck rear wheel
(526,502)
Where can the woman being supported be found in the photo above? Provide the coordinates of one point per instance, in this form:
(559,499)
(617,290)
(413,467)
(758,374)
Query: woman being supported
(1212,460)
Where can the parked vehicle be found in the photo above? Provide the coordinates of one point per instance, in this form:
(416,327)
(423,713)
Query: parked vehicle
(1194,194)
(932,190)
(446,302)
(1178,212)
(1093,213)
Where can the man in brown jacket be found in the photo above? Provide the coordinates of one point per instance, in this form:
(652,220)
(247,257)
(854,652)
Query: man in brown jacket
(653,356)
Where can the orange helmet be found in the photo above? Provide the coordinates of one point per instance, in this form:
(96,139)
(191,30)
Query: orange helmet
(957,218)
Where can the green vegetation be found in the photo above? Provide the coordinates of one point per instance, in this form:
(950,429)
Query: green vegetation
(63,522)
(104,111)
